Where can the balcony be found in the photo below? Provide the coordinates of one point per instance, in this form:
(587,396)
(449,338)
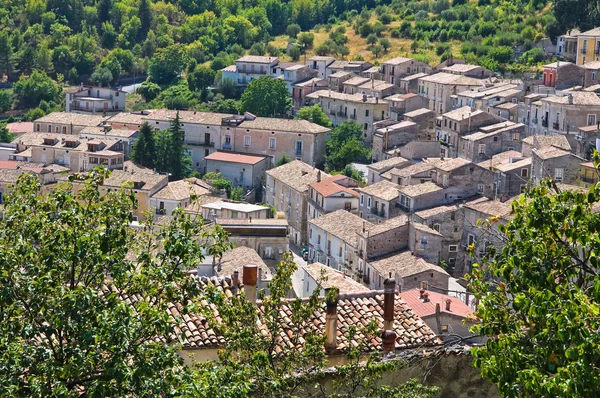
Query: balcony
(589,180)
(584,50)
(227,146)
(544,122)
(580,138)
(445,142)
(597,51)
(394,109)
(352,116)
(534,120)
(556,126)
(378,213)
(332,112)
(201,143)
(342,114)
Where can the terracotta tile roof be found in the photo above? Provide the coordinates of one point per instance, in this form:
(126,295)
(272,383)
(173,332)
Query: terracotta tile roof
(540,141)
(462,113)
(230,68)
(490,207)
(235,158)
(551,152)
(426,309)
(8,164)
(589,165)
(72,118)
(181,190)
(356,81)
(450,78)
(388,163)
(296,174)
(136,119)
(273,222)
(385,226)
(189,117)
(379,85)
(460,68)
(413,77)
(20,127)
(591,32)
(417,168)
(235,259)
(503,157)
(136,174)
(341,224)
(99,131)
(397,61)
(584,98)
(334,278)
(404,264)
(285,125)
(383,190)
(424,228)
(589,128)
(321,58)
(346,97)
(257,59)
(340,74)
(420,189)
(10,176)
(425,214)
(329,187)
(452,164)
(504,167)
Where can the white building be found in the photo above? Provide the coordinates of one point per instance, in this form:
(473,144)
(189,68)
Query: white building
(92,99)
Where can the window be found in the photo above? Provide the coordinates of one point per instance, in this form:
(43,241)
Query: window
(362,199)
(319,239)
(452,262)
(591,120)
(310,233)
(423,242)
(558,174)
(246,140)
(480,188)
(228,139)
(516,136)
(453,248)
(593,75)
(298,147)
(436,227)
(367,113)
(524,173)
(369,202)
(365,126)
(234,214)
(470,239)
(481,148)
(271,143)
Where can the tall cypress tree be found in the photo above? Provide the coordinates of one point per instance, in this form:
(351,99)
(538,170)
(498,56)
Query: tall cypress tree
(145,15)
(7,61)
(144,150)
(179,161)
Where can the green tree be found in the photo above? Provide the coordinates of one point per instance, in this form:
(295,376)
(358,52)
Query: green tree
(265,96)
(376,50)
(225,106)
(144,149)
(257,49)
(178,162)
(293,30)
(167,63)
(372,39)
(5,100)
(33,114)
(102,77)
(148,90)
(30,91)
(7,59)
(201,78)
(385,43)
(282,160)
(346,145)
(294,52)
(306,40)
(314,114)
(5,135)
(67,310)
(237,193)
(351,172)
(145,15)
(539,294)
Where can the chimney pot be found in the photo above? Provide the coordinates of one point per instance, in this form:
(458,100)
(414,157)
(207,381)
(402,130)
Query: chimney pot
(389,298)
(448,302)
(421,293)
(425,297)
(249,278)
(331,303)
(388,338)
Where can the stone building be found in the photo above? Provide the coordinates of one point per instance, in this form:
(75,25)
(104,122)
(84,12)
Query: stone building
(491,140)
(390,135)
(287,190)
(401,104)
(331,194)
(318,276)
(178,194)
(440,88)
(555,163)
(378,201)
(467,70)
(246,171)
(320,65)
(562,115)
(375,170)
(67,122)
(94,100)
(561,75)
(512,174)
(395,69)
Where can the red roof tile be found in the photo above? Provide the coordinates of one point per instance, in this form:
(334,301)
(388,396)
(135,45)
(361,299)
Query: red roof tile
(234,157)
(20,127)
(329,187)
(425,309)
(8,164)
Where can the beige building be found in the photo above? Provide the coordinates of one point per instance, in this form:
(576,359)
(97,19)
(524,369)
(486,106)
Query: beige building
(268,237)
(66,122)
(395,69)
(287,190)
(467,70)
(440,88)
(565,114)
(359,108)
(378,201)
(331,194)
(178,194)
(69,150)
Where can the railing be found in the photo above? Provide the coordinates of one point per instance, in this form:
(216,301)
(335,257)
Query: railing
(204,143)
(396,110)
(544,123)
(332,112)
(298,153)
(534,120)
(92,110)
(227,146)
(584,50)
(555,125)
(340,113)
(589,180)
(352,116)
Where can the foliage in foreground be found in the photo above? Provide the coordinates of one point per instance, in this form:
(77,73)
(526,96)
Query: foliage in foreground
(346,145)
(539,297)
(68,263)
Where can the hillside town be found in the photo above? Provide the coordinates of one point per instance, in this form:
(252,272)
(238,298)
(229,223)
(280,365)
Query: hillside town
(452,147)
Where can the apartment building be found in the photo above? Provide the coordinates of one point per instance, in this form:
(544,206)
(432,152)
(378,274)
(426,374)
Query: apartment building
(565,114)
(566,45)
(67,122)
(320,64)
(351,85)
(375,170)
(246,171)
(489,95)
(332,239)
(461,178)
(106,132)
(287,190)
(392,135)
(410,84)
(359,108)
(588,46)
(267,236)
(336,80)
(440,88)
(562,74)
(591,74)
(589,175)
(94,99)
(540,141)
(178,194)
(512,174)
(248,68)
(462,121)
(291,72)
(395,69)
(585,141)
(378,88)
(331,194)
(491,140)
(555,163)
(467,70)
(378,201)
(400,104)
(69,150)
(355,67)
(301,89)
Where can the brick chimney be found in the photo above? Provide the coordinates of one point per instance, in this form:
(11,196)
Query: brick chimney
(319,176)
(388,335)
(448,302)
(425,297)
(421,292)
(235,282)
(249,278)
(331,321)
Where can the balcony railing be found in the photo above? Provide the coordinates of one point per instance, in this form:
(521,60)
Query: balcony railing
(589,180)
(340,113)
(534,120)
(584,50)
(352,116)
(544,123)
(396,110)
(227,146)
(201,143)
(332,111)
(555,125)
